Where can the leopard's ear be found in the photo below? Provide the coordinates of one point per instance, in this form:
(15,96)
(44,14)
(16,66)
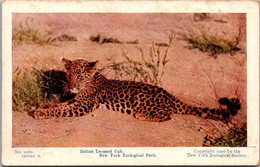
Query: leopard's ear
(93,66)
(66,63)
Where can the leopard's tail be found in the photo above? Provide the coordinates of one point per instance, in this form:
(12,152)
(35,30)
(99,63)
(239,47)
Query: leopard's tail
(222,114)
(233,104)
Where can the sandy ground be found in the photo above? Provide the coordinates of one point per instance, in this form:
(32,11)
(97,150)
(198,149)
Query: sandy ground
(190,75)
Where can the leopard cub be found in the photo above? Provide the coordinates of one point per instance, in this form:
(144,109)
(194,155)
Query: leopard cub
(142,101)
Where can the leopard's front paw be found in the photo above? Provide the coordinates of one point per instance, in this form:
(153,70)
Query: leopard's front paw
(41,114)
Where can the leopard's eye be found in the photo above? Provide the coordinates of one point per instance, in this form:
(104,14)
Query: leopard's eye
(79,77)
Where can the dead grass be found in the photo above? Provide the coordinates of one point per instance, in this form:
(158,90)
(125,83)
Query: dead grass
(28,34)
(149,70)
(133,42)
(64,37)
(103,40)
(161,44)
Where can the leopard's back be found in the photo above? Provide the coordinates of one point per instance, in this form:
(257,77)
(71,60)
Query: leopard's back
(143,101)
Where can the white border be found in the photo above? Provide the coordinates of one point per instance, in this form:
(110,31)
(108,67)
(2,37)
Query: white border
(165,155)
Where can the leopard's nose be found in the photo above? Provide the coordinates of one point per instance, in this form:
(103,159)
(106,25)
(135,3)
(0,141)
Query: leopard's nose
(72,84)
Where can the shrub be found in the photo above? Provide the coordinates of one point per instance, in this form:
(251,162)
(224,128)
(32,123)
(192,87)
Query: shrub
(28,34)
(213,44)
(161,44)
(64,37)
(149,70)
(133,42)
(37,89)
(235,137)
(26,91)
(101,40)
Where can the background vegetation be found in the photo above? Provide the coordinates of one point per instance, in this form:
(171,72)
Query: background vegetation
(149,70)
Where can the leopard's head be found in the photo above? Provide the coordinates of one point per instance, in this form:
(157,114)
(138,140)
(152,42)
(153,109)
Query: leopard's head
(79,72)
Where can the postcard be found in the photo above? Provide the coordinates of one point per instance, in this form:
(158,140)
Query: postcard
(130,83)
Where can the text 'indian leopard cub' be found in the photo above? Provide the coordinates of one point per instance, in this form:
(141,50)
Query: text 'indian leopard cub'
(142,101)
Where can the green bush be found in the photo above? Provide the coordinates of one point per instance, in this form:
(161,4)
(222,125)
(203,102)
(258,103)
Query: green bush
(36,89)
(213,44)
(235,137)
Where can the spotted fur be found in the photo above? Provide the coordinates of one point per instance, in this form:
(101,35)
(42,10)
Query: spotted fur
(142,101)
